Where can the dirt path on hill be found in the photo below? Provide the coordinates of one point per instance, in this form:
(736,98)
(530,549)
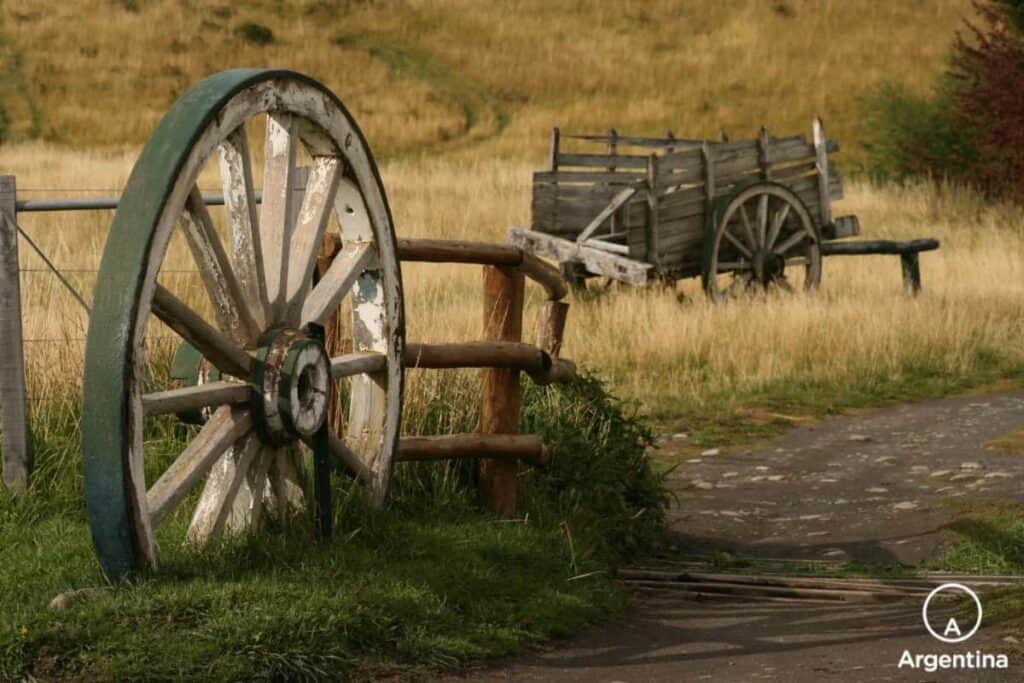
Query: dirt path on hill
(881,488)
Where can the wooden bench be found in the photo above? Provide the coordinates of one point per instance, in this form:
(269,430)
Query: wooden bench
(907,251)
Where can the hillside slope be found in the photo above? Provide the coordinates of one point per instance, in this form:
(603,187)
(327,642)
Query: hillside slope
(436,75)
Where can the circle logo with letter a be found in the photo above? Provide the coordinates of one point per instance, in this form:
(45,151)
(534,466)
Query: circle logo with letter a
(949,629)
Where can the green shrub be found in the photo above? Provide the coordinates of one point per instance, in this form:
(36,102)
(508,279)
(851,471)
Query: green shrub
(257,34)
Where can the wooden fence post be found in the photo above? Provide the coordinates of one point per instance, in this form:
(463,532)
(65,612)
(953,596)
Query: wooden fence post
(499,414)
(17,456)
(551,327)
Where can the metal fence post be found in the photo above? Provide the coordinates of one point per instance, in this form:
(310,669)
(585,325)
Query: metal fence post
(15,445)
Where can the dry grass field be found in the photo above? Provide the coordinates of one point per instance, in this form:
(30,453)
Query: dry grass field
(457,97)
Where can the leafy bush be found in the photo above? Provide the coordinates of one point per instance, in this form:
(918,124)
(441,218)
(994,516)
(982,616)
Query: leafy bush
(968,129)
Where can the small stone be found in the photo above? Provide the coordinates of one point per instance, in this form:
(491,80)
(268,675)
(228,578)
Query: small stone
(998,475)
(941,473)
(877,489)
(962,476)
(859,438)
(711,451)
(919,469)
(840,501)
(884,460)
(774,477)
(730,513)
(681,436)
(762,468)
(808,518)
(970,466)
(703,485)
(68,598)
(835,553)
(729,475)
(817,533)
(695,461)
(905,505)
(1011,640)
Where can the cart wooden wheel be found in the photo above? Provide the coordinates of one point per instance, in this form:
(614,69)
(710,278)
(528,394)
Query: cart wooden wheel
(254,323)
(760,237)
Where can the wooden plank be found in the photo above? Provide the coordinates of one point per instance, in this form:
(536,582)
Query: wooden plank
(619,177)
(190,398)
(499,411)
(17,454)
(617,201)
(555,134)
(310,222)
(652,212)
(638,141)
(595,260)
(323,301)
(601,161)
(864,247)
(527,447)
(764,156)
(821,166)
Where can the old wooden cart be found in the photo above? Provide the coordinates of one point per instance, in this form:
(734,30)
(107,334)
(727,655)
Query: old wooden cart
(745,215)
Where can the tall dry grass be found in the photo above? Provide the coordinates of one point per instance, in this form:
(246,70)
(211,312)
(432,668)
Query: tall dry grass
(437,76)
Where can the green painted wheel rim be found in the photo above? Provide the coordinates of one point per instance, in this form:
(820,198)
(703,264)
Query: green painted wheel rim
(109,421)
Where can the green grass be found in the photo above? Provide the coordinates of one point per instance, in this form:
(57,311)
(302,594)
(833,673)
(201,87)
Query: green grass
(431,582)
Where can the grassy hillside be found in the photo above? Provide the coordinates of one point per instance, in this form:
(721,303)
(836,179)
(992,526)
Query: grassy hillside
(434,74)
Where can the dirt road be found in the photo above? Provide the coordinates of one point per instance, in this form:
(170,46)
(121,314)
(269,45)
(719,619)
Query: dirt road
(882,488)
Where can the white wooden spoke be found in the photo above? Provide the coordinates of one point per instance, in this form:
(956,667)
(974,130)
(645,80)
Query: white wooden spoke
(275,231)
(260,485)
(240,201)
(747,228)
(287,479)
(224,428)
(791,242)
(777,220)
(728,266)
(226,502)
(195,398)
(797,261)
(323,301)
(762,220)
(350,208)
(740,247)
(347,457)
(215,346)
(358,364)
(317,205)
(229,303)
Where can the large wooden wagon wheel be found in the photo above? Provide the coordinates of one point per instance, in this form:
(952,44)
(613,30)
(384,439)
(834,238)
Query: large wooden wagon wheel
(256,321)
(759,237)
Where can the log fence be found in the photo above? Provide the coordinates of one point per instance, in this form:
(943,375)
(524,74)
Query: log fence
(501,354)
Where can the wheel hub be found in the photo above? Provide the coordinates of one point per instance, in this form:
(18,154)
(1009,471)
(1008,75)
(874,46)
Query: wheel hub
(768,266)
(292,382)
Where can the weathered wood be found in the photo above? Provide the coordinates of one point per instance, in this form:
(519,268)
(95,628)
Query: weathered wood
(227,499)
(546,276)
(359,363)
(555,134)
(186,399)
(821,165)
(499,413)
(596,261)
(275,210)
(840,227)
(617,201)
(605,245)
(310,223)
(225,427)
(862,247)
(602,161)
(613,144)
(17,453)
(478,354)
(334,341)
(911,272)
(551,327)
(215,346)
(764,154)
(513,447)
(543,179)
(323,301)
(652,236)
(451,251)
(638,141)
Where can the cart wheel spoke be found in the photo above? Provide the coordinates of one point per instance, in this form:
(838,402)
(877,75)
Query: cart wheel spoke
(740,247)
(225,427)
(367,362)
(729,266)
(215,346)
(186,399)
(747,228)
(263,495)
(317,205)
(287,479)
(797,261)
(777,221)
(276,209)
(783,283)
(240,201)
(229,303)
(348,458)
(226,502)
(323,300)
(791,241)
(762,220)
